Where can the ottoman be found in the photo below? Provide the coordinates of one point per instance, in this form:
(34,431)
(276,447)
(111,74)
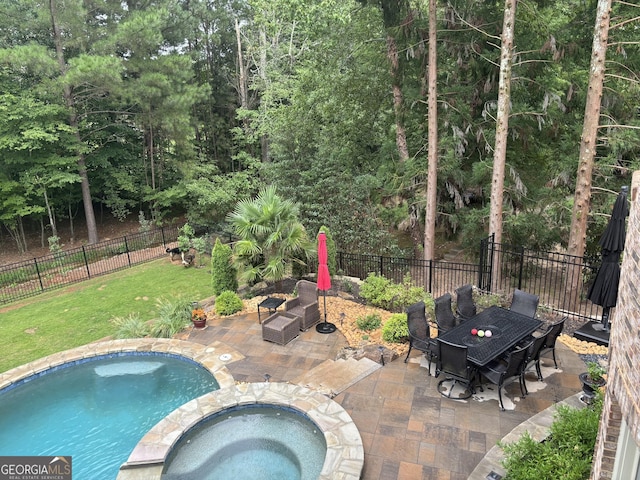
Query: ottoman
(281,328)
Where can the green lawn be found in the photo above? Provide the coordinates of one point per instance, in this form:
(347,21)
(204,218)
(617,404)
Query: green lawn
(79,314)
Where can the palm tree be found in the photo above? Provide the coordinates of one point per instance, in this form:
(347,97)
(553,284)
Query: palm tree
(271,237)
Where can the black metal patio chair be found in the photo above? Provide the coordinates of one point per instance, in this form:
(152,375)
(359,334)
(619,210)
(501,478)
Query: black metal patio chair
(452,362)
(532,360)
(524,303)
(445,319)
(419,332)
(465,306)
(504,371)
(550,339)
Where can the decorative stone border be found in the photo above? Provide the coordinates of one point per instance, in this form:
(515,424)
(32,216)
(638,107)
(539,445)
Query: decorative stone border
(206,355)
(537,426)
(345,452)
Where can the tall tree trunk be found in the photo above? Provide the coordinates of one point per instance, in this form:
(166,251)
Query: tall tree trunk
(398,99)
(582,197)
(151,151)
(502,120)
(432,132)
(92,230)
(72,234)
(52,219)
(264,139)
(242,72)
(502,130)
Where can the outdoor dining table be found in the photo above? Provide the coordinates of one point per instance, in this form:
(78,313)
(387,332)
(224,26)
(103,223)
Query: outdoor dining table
(507,329)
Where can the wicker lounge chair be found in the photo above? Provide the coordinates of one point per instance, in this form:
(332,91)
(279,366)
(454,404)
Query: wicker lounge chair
(305,305)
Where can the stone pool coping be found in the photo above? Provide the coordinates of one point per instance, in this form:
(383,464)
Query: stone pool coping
(345,452)
(206,355)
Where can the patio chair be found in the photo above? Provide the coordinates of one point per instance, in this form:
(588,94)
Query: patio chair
(502,372)
(550,339)
(419,332)
(465,307)
(452,362)
(532,360)
(445,319)
(305,305)
(524,303)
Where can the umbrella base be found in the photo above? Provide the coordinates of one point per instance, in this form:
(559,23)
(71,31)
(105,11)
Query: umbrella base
(325,327)
(590,334)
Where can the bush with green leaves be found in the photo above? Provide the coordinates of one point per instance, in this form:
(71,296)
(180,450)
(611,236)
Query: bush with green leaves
(173,316)
(377,290)
(223,273)
(567,452)
(383,293)
(396,329)
(369,322)
(228,303)
(131,326)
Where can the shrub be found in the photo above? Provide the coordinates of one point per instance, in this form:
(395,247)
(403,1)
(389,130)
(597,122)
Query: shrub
(383,293)
(369,322)
(395,329)
(223,273)
(173,316)
(376,290)
(567,453)
(228,303)
(131,326)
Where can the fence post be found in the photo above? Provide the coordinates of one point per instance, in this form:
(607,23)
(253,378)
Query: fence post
(86,262)
(35,262)
(481,263)
(430,275)
(164,241)
(126,247)
(491,253)
(381,266)
(521,268)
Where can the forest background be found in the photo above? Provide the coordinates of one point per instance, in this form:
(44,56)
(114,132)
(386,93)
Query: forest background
(167,107)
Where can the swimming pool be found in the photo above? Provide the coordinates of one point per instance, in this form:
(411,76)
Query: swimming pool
(96,409)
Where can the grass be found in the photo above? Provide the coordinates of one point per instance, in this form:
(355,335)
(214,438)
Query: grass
(80,314)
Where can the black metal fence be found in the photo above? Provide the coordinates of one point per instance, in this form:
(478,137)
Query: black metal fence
(550,275)
(31,277)
(500,269)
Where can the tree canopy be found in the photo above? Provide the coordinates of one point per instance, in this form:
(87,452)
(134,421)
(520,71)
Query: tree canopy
(171,107)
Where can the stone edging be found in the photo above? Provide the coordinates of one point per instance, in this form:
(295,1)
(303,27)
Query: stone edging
(206,355)
(345,452)
(537,426)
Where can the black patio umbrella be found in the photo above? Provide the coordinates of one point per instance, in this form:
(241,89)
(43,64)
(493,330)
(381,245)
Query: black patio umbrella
(604,290)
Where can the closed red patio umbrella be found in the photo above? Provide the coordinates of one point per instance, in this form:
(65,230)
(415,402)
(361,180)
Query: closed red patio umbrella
(324,282)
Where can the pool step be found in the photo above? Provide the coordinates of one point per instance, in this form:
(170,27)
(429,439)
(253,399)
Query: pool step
(334,376)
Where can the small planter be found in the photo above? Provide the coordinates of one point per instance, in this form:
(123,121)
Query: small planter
(198,318)
(590,387)
(199,322)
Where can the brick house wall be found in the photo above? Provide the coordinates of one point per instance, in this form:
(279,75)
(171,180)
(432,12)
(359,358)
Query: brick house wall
(621,399)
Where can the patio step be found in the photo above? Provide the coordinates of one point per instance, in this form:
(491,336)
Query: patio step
(334,376)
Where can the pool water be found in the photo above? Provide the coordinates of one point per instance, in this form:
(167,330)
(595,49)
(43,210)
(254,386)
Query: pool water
(97,411)
(263,442)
